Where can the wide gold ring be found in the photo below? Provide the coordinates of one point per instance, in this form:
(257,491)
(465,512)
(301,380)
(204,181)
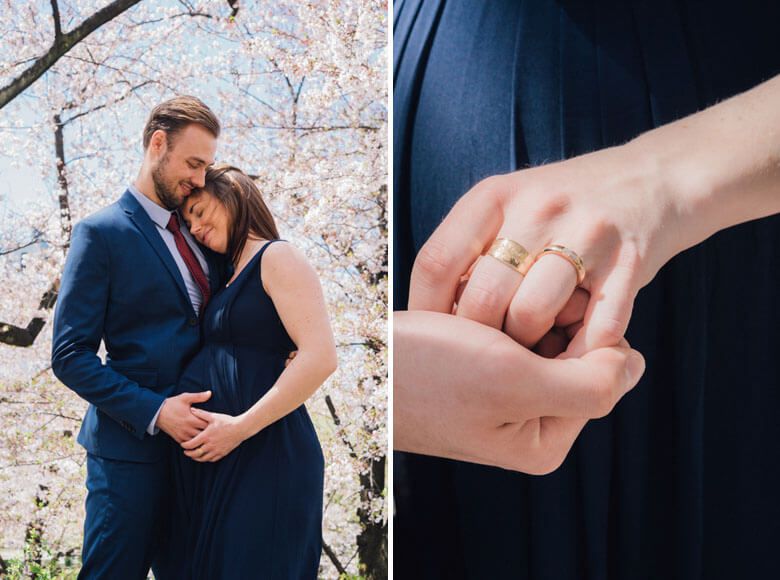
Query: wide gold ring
(510,253)
(572,257)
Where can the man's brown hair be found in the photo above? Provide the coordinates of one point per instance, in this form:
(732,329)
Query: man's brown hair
(175,114)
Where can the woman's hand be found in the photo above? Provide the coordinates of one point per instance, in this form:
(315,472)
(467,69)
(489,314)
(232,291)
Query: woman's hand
(466,391)
(223,434)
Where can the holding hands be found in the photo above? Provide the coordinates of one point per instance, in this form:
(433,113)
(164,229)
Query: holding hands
(467,391)
(222,434)
(176,418)
(497,401)
(592,208)
(569,246)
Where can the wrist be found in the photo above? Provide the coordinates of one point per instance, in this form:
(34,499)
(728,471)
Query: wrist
(161,415)
(671,187)
(639,201)
(720,167)
(245,425)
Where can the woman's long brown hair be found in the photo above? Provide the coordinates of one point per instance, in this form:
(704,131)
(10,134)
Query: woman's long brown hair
(249,216)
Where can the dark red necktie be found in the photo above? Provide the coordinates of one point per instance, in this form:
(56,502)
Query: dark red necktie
(189,258)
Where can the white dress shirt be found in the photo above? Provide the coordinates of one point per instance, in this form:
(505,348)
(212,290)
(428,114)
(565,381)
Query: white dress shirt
(161,216)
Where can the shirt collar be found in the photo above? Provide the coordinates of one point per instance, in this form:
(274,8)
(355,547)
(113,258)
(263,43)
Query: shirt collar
(159,215)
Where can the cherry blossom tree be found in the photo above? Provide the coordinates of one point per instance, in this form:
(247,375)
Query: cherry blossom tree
(301,91)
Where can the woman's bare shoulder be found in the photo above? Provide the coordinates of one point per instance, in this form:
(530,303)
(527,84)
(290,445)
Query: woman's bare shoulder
(284,265)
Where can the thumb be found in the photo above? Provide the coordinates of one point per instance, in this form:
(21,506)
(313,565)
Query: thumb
(585,387)
(621,365)
(594,383)
(198,397)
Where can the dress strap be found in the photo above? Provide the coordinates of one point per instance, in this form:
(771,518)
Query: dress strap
(259,262)
(264,248)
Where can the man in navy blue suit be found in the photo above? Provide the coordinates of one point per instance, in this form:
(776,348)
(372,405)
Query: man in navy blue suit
(138,282)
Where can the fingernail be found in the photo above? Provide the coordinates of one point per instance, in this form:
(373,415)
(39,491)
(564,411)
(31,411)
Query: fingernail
(634,368)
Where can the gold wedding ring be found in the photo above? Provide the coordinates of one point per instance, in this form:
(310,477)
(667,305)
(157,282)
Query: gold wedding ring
(510,253)
(572,257)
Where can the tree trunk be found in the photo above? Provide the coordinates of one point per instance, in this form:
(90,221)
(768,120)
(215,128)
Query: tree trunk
(372,540)
(62,180)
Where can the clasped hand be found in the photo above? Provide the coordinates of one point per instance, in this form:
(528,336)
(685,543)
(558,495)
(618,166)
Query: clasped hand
(222,435)
(514,375)
(204,436)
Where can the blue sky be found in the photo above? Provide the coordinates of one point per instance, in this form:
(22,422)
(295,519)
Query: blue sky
(18,185)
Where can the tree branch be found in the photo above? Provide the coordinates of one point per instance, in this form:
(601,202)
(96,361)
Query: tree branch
(130,91)
(316,128)
(23,246)
(55,13)
(50,296)
(333,558)
(18,336)
(61,46)
(191,13)
(337,421)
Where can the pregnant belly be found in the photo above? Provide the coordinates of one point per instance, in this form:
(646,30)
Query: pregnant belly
(236,376)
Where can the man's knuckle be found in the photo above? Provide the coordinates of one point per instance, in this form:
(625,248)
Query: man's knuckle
(600,398)
(541,464)
(535,462)
(597,228)
(554,461)
(491,183)
(434,261)
(482,298)
(483,301)
(551,206)
(610,330)
(530,314)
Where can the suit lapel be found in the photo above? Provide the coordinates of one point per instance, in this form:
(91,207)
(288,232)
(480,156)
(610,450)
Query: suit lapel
(146,226)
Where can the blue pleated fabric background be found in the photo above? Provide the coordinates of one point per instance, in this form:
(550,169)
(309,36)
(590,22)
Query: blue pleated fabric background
(682,480)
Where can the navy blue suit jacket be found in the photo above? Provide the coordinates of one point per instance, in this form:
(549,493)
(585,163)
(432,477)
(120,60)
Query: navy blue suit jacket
(121,285)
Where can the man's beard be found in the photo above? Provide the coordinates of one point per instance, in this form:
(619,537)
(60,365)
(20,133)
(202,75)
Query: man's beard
(165,194)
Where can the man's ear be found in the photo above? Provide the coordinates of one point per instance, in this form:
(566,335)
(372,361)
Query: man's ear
(158,142)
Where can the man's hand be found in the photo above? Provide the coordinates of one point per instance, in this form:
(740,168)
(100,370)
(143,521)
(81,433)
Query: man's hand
(176,417)
(467,391)
(605,206)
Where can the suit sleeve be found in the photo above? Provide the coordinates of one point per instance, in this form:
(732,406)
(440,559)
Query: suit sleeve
(78,329)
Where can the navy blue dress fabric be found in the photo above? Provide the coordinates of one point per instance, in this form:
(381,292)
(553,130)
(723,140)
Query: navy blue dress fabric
(256,513)
(682,480)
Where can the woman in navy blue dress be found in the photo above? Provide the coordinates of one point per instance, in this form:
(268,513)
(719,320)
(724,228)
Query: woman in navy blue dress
(681,480)
(249,487)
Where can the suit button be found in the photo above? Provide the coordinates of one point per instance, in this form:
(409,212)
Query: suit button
(193,322)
